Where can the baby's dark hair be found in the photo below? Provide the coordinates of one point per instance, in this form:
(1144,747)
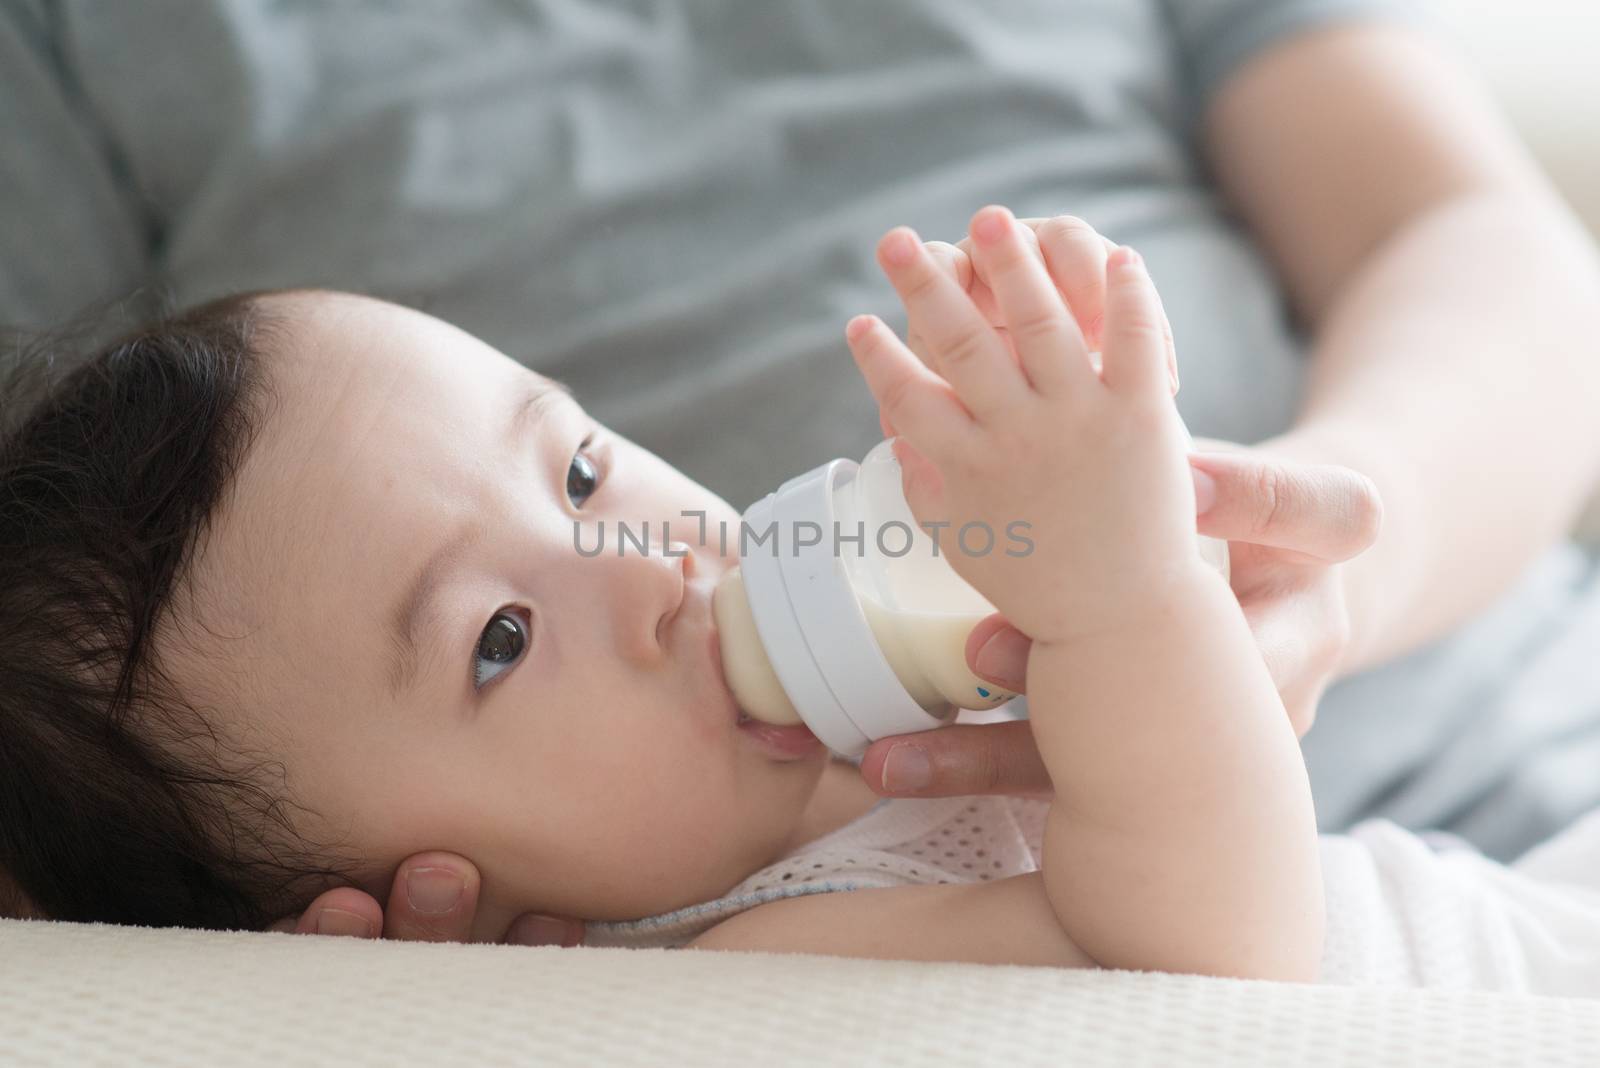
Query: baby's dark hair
(119,802)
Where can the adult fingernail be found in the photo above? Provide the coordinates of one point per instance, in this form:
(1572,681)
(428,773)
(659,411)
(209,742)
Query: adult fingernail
(1000,657)
(1205,491)
(538,931)
(331,921)
(434,891)
(906,768)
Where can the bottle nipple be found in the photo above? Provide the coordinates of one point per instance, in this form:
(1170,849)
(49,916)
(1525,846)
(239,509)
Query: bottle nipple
(744,659)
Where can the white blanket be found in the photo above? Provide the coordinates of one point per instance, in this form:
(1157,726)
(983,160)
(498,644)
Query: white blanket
(76,994)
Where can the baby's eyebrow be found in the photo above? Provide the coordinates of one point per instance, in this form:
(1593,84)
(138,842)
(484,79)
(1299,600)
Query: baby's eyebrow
(416,606)
(414,610)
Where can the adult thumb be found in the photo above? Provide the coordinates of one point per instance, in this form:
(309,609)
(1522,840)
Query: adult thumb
(997,651)
(1324,510)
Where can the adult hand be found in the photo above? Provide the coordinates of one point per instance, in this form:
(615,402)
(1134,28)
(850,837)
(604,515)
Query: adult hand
(1289,526)
(434,898)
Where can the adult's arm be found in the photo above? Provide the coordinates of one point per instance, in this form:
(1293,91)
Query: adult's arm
(1454,306)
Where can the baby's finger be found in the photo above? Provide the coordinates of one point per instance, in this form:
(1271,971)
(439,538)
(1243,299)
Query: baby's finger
(978,288)
(1047,340)
(911,398)
(977,282)
(921,482)
(952,261)
(965,349)
(958,265)
(1075,254)
(1135,351)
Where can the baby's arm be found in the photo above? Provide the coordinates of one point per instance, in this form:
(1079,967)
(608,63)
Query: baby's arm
(1182,836)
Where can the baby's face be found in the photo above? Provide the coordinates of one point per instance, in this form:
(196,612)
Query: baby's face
(409,480)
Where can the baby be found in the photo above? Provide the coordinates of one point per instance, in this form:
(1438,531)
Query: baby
(289,592)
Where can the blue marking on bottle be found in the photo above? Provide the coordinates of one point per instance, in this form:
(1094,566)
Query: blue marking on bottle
(982,692)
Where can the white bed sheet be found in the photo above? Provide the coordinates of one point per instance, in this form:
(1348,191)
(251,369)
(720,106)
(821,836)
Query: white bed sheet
(83,994)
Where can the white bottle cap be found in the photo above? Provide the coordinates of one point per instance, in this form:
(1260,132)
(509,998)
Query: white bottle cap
(810,623)
(806,612)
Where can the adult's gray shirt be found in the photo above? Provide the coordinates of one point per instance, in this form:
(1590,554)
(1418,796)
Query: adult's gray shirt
(672,206)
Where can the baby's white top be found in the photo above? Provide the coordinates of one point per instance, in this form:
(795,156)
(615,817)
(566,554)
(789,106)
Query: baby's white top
(1432,911)
(1402,910)
(900,842)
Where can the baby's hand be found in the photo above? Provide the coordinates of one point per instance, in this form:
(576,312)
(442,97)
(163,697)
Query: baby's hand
(1093,463)
(1073,253)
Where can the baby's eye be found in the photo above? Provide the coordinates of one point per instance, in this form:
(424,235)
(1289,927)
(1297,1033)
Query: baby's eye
(500,646)
(583,477)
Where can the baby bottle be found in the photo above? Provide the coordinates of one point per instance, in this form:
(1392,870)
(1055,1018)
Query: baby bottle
(845,615)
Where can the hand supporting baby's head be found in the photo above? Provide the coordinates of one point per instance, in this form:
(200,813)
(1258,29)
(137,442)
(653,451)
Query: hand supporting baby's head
(291,592)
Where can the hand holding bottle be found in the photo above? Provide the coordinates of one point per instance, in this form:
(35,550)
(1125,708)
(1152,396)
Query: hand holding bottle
(1278,514)
(1073,253)
(996,420)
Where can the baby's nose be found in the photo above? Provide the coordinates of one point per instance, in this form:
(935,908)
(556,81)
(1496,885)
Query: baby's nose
(653,594)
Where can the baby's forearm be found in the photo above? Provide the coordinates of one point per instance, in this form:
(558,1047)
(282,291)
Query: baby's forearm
(1182,837)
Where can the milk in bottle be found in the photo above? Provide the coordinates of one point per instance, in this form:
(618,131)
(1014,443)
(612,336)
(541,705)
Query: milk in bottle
(846,615)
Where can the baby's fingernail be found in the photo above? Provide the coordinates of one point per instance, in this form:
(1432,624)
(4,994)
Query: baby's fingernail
(434,891)
(901,245)
(331,921)
(856,327)
(906,768)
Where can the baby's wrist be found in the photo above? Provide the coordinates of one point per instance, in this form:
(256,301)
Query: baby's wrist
(1175,592)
